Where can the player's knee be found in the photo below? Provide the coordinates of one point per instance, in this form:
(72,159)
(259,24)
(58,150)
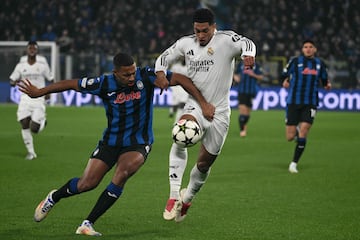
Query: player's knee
(34,127)
(290,138)
(203,167)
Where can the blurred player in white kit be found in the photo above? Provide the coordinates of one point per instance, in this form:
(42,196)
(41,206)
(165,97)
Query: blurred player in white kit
(31,112)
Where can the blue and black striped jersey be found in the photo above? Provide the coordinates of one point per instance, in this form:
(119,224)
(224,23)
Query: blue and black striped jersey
(248,84)
(305,75)
(129,110)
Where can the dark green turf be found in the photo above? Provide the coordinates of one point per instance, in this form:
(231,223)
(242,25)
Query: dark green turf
(249,194)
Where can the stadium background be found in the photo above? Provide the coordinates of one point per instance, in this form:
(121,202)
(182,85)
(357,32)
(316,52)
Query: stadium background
(90,32)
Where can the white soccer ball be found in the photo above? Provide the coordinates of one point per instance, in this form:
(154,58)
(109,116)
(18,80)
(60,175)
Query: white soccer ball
(186,133)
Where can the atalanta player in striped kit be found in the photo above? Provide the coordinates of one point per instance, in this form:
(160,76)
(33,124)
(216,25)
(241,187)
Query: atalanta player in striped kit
(303,76)
(127,95)
(247,89)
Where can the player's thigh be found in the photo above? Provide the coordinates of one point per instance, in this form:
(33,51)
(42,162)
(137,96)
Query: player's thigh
(24,110)
(293,115)
(129,162)
(245,99)
(39,113)
(214,136)
(192,108)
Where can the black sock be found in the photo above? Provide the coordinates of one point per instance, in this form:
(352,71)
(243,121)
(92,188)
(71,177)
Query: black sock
(243,119)
(68,190)
(299,149)
(105,201)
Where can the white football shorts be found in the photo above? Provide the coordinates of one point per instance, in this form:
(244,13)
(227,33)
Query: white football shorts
(214,132)
(34,108)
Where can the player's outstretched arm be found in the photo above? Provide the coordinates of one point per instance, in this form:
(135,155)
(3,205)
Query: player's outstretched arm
(207,108)
(26,87)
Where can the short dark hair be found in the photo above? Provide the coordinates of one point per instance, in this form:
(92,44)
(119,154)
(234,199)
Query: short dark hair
(308,41)
(203,15)
(32,43)
(122,59)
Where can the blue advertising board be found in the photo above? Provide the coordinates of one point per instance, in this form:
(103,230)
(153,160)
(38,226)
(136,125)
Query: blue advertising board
(266,99)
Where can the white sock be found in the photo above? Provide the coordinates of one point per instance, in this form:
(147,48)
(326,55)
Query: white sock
(42,125)
(177,164)
(197,179)
(28,140)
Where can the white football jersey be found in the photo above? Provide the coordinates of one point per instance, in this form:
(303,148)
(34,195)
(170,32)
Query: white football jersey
(36,73)
(210,67)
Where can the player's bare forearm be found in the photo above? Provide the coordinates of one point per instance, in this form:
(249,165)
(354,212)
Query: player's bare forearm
(207,108)
(26,87)
(161,81)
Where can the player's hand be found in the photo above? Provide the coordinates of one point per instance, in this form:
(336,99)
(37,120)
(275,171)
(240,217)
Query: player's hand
(161,81)
(286,83)
(328,86)
(249,72)
(26,87)
(249,62)
(208,110)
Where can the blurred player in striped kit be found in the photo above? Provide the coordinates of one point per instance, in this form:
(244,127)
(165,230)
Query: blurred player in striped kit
(247,80)
(303,76)
(31,112)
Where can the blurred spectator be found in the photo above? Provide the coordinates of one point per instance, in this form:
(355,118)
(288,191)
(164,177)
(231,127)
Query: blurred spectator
(144,27)
(65,42)
(49,34)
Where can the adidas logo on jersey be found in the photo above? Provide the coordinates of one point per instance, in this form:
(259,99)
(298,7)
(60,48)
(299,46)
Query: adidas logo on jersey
(191,52)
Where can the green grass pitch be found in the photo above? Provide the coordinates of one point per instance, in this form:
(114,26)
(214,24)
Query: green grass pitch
(249,195)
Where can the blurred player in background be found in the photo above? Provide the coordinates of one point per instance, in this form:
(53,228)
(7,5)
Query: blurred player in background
(303,76)
(209,58)
(127,96)
(247,80)
(31,112)
(179,95)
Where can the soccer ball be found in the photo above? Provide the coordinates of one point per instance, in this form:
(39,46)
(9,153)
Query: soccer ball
(186,133)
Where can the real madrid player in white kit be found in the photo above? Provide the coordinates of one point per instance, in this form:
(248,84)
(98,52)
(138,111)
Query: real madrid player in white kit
(209,56)
(31,111)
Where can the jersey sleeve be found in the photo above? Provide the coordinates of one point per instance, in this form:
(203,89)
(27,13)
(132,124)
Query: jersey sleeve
(15,75)
(323,73)
(168,57)
(243,44)
(47,73)
(90,85)
(286,71)
(151,74)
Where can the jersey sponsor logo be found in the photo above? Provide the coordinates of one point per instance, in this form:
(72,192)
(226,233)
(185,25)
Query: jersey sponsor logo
(308,71)
(201,65)
(122,97)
